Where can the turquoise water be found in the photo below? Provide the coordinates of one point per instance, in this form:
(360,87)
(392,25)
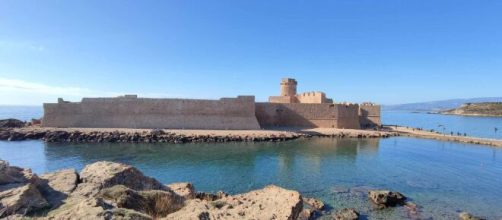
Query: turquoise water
(472,126)
(443,178)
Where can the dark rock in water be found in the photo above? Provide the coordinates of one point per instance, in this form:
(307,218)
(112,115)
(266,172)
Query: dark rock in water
(315,204)
(468,216)
(11,123)
(384,198)
(346,214)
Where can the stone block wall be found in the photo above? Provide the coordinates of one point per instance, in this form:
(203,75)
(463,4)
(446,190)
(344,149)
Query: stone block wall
(370,116)
(131,112)
(283,115)
(312,97)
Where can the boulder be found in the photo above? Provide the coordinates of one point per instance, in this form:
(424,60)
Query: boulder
(271,202)
(468,216)
(185,190)
(11,174)
(100,175)
(21,200)
(11,123)
(384,198)
(58,185)
(315,204)
(79,207)
(155,203)
(346,214)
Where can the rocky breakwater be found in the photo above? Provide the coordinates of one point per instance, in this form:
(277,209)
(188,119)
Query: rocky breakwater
(144,136)
(107,190)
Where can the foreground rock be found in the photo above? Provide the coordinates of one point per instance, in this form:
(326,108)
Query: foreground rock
(21,200)
(107,190)
(346,214)
(19,192)
(185,190)
(383,198)
(272,202)
(100,175)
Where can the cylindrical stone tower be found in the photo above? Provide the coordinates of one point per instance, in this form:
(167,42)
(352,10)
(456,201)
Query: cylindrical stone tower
(288,87)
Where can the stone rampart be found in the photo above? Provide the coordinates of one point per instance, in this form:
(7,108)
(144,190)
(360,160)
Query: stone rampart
(370,115)
(131,112)
(307,115)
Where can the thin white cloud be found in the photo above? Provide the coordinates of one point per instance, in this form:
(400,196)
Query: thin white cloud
(24,86)
(17,91)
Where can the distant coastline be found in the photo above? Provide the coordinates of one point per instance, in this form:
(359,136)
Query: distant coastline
(487,109)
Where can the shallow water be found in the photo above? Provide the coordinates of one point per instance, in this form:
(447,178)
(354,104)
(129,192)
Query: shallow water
(471,125)
(443,178)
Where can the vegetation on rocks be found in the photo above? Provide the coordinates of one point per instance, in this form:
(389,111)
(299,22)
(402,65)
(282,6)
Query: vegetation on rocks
(477,109)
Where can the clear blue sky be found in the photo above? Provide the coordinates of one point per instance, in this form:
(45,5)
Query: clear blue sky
(387,51)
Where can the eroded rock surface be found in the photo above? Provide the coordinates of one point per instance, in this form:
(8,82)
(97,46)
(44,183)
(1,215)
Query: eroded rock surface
(21,200)
(100,175)
(107,190)
(155,203)
(271,202)
(186,190)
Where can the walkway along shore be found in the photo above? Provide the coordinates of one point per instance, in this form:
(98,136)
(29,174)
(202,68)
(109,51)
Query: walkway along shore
(113,135)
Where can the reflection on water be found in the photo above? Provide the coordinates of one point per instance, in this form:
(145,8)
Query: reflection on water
(441,177)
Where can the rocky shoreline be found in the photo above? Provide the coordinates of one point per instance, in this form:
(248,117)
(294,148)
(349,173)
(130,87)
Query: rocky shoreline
(108,190)
(99,135)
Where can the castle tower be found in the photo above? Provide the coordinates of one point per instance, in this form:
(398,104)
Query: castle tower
(288,87)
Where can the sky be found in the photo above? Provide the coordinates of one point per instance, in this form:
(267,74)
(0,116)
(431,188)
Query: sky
(384,51)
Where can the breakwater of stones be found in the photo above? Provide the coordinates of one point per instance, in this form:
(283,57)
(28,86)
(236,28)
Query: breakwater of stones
(156,136)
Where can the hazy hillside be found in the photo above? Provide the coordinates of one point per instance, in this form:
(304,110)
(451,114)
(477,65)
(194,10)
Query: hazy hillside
(439,105)
(477,109)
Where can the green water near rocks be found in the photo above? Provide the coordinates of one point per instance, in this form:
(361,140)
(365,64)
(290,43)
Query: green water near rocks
(443,178)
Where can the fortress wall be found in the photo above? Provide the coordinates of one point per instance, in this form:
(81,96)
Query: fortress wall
(306,115)
(311,97)
(227,113)
(370,115)
(348,116)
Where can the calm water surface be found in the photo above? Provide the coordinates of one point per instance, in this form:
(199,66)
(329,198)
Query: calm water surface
(472,126)
(442,177)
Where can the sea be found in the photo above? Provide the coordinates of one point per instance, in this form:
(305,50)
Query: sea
(442,178)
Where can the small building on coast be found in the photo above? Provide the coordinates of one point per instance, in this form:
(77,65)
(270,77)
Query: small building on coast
(289,110)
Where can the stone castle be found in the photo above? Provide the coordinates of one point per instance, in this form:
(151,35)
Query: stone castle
(289,110)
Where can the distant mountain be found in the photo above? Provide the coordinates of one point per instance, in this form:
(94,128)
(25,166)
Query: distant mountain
(436,106)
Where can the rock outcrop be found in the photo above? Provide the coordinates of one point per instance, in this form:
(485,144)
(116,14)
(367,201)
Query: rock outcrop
(100,175)
(107,190)
(384,198)
(271,202)
(19,192)
(185,190)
